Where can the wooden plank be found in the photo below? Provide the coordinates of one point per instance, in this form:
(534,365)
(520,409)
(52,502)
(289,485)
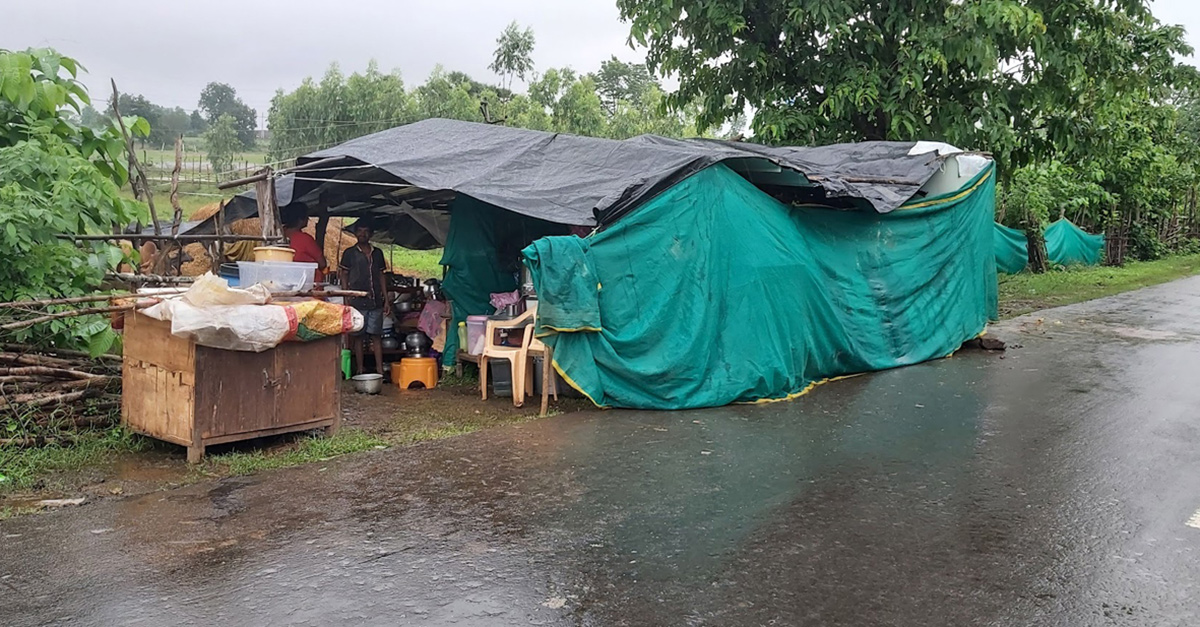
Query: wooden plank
(150,341)
(157,402)
(262,433)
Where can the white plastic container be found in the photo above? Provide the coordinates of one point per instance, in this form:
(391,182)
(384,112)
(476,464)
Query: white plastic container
(278,276)
(476,330)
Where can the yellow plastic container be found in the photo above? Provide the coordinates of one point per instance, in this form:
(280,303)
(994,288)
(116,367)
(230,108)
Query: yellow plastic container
(274,253)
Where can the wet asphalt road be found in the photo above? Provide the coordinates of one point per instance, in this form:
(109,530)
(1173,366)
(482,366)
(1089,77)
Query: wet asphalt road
(1052,486)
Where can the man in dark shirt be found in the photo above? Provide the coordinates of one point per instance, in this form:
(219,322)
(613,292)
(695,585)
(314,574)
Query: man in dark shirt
(361,270)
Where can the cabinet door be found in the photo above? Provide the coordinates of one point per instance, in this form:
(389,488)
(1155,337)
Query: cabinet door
(308,375)
(235,391)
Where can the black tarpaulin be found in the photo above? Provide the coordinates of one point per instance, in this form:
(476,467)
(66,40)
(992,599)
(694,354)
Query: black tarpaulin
(568,179)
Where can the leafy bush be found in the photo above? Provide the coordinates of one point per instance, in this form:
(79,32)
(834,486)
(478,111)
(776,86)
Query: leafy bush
(56,177)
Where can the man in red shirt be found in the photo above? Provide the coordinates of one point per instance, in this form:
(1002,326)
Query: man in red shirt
(295,218)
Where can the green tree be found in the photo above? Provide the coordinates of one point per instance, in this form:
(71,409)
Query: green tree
(441,97)
(57,176)
(318,115)
(618,81)
(217,99)
(514,54)
(196,123)
(999,75)
(222,142)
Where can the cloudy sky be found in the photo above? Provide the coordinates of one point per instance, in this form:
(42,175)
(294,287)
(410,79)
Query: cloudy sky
(171,49)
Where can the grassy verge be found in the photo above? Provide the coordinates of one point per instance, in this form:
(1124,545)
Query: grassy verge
(306,450)
(33,468)
(1023,293)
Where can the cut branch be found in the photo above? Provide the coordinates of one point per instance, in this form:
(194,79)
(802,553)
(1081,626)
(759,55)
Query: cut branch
(178,219)
(12,326)
(59,373)
(141,174)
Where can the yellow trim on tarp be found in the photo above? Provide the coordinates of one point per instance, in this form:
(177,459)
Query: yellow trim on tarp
(806,390)
(571,382)
(959,196)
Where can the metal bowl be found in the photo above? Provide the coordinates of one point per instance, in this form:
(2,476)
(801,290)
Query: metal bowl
(368,383)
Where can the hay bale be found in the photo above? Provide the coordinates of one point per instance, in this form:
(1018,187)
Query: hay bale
(336,240)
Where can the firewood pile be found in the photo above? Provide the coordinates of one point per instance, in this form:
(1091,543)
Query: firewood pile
(57,389)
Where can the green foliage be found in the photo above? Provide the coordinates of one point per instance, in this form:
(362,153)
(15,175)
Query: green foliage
(218,99)
(514,54)
(25,468)
(56,177)
(223,143)
(999,75)
(319,115)
(619,82)
(442,97)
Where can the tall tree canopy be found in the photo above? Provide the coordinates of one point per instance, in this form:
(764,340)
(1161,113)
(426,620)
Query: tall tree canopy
(336,109)
(217,99)
(1002,75)
(514,54)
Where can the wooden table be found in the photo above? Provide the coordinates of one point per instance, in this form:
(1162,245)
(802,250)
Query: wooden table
(196,396)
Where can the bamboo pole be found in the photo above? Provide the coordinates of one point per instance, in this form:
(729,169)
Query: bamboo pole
(137,237)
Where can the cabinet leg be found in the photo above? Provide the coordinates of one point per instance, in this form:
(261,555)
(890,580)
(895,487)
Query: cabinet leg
(195,454)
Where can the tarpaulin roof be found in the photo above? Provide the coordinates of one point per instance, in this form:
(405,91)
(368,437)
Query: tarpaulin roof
(585,181)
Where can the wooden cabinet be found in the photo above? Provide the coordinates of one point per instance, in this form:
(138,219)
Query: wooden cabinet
(195,396)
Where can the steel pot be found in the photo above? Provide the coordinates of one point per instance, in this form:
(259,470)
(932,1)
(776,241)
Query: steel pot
(368,383)
(417,343)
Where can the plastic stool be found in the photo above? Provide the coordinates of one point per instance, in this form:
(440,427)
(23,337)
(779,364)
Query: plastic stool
(416,369)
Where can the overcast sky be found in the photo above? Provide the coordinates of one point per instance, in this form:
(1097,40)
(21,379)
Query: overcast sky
(168,50)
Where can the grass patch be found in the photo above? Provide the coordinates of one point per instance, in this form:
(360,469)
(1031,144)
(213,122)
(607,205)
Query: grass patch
(425,264)
(1026,292)
(306,450)
(438,433)
(29,468)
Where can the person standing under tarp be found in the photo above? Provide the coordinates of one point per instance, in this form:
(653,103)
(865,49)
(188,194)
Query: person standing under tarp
(361,269)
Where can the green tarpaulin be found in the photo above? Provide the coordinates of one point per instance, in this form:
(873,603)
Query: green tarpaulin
(480,248)
(1012,249)
(714,293)
(1066,245)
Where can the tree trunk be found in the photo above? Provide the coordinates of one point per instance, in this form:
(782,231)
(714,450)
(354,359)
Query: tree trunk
(1037,249)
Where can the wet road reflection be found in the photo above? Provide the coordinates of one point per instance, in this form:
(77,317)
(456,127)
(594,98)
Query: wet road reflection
(1047,486)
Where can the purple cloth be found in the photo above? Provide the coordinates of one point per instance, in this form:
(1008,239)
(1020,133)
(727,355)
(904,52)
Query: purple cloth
(431,318)
(500,300)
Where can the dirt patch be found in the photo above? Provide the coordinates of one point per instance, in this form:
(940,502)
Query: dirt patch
(394,418)
(453,408)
